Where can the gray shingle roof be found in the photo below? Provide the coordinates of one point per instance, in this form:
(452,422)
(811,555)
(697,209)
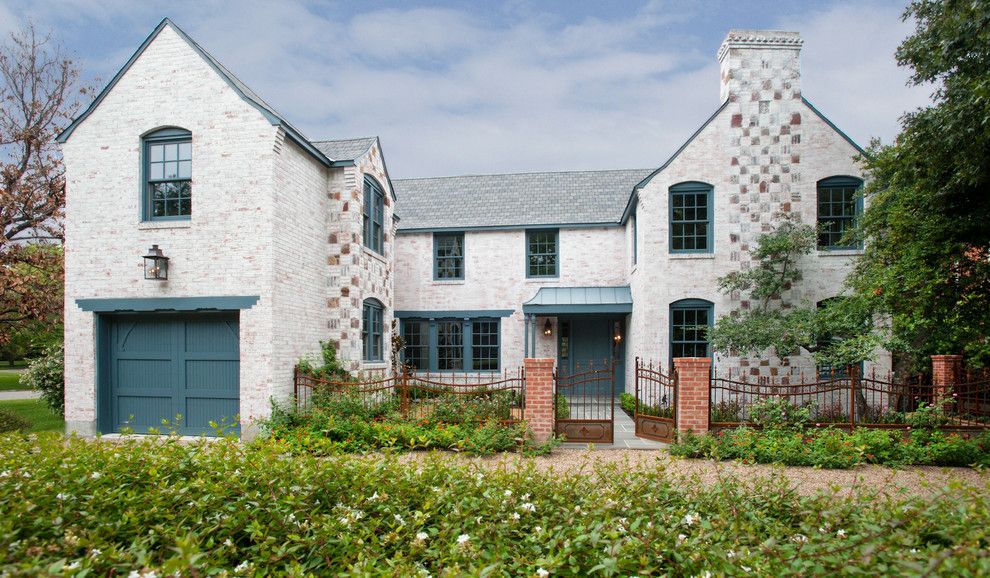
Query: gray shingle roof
(578,197)
(344,149)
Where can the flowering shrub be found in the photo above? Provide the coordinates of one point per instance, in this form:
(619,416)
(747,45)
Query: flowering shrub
(47,375)
(162,508)
(779,413)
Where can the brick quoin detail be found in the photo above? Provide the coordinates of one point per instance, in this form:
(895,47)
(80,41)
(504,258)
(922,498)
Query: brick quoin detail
(539,397)
(693,375)
(946,373)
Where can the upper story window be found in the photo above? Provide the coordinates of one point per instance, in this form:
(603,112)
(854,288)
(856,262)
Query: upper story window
(839,206)
(542,253)
(691,218)
(374,215)
(689,320)
(371,330)
(448,256)
(167,169)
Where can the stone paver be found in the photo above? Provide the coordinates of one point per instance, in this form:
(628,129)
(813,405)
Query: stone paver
(624,436)
(19,394)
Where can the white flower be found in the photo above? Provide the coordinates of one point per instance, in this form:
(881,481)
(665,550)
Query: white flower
(421,536)
(841,533)
(95,475)
(463,539)
(577,509)
(228,543)
(399,519)
(538,529)
(75,564)
(690,519)
(515,515)
(528,507)
(681,537)
(61,496)
(730,554)
(508,493)
(373,497)
(542,573)
(525,497)
(95,552)
(800,538)
(746,569)
(242,566)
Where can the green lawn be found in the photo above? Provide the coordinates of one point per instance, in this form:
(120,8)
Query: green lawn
(35,410)
(10,380)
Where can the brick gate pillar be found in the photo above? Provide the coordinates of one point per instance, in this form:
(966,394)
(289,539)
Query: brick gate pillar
(946,372)
(693,391)
(539,397)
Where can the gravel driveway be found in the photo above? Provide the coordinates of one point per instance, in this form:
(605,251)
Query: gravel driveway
(916,480)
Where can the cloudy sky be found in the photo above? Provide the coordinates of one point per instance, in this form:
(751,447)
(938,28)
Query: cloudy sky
(511,86)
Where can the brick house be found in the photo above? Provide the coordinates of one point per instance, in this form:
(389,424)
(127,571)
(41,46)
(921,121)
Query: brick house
(275,242)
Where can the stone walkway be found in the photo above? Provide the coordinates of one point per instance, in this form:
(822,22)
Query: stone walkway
(19,394)
(624,436)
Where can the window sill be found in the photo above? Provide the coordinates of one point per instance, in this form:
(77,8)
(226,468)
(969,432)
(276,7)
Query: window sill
(840,252)
(449,282)
(369,253)
(543,279)
(688,256)
(156,225)
(374,365)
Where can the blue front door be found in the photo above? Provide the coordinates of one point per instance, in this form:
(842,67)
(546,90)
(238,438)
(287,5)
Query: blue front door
(184,369)
(587,342)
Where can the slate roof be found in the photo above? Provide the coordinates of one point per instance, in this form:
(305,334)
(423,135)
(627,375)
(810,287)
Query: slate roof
(345,149)
(516,200)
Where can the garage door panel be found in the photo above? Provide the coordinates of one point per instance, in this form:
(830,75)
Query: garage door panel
(200,411)
(143,335)
(212,337)
(218,375)
(145,373)
(141,412)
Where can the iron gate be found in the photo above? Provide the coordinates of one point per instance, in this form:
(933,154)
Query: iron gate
(584,403)
(656,403)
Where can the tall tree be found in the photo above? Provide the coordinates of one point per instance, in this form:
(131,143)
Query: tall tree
(39,94)
(927,223)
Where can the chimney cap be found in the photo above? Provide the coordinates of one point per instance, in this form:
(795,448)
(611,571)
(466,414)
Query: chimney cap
(744,38)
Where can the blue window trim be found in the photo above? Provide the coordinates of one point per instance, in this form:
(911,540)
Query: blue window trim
(219,303)
(462,313)
(169,134)
(370,339)
(691,187)
(373,212)
(467,343)
(436,257)
(556,237)
(688,304)
(840,181)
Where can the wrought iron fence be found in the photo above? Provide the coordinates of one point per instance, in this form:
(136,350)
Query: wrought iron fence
(584,402)
(655,409)
(851,400)
(442,397)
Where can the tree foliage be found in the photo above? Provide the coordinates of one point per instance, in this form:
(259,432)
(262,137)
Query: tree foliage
(39,94)
(927,223)
(837,334)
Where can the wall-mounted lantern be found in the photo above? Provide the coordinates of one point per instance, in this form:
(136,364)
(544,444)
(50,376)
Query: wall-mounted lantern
(548,328)
(155,264)
(616,333)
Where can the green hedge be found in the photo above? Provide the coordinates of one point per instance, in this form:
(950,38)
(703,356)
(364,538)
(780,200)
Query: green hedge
(110,509)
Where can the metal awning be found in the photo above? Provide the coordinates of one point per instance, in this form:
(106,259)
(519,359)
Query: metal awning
(564,300)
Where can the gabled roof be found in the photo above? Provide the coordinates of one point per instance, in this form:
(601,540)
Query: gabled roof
(508,201)
(235,83)
(348,149)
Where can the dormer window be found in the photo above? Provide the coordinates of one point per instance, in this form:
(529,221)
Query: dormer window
(167,175)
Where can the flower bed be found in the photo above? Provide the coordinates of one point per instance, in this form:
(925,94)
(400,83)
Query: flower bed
(158,507)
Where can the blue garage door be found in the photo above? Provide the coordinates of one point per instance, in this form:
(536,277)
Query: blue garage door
(181,368)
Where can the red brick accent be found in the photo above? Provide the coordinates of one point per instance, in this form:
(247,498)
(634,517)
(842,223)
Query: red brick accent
(693,376)
(946,373)
(539,397)
(737,120)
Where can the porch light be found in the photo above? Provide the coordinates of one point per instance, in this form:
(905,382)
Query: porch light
(155,264)
(547,328)
(616,333)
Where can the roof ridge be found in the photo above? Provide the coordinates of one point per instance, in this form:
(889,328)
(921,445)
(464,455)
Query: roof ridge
(524,173)
(344,139)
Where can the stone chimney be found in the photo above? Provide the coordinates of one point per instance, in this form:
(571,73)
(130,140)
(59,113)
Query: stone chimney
(760,66)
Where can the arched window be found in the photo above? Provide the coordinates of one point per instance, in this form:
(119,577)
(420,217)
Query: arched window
(840,204)
(689,322)
(691,211)
(374,215)
(371,330)
(167,174)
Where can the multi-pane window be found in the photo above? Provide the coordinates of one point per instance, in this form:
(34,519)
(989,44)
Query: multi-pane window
(839,206)
(168,174)
(691,218)
(484,349)
(448,256)
(689,323)
(374,215)
(371,330)
(416,334)
(451,344)
(541,253)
